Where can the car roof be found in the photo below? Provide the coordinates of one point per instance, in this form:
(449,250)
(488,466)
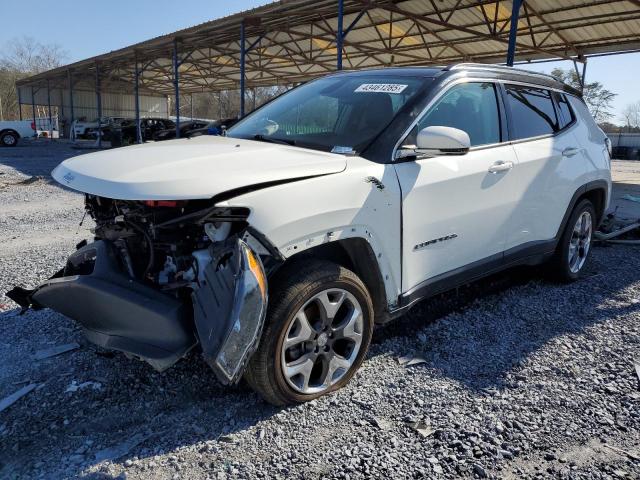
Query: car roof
(498,72)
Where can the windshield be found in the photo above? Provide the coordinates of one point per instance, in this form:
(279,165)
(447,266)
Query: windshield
(341,113)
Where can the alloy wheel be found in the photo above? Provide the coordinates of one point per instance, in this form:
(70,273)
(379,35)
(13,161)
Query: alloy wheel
(322,341)
(580,242)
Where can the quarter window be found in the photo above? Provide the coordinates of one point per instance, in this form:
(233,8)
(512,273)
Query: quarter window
(532,112)
(566,114)
(471,107)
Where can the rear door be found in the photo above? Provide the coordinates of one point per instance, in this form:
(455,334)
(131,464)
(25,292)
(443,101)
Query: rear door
(550,165)
(456,209)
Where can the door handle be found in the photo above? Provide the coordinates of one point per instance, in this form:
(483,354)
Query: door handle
(570,152)
(500,167)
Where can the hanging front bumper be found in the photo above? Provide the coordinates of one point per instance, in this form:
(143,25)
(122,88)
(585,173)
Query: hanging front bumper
(120,313)
(115,311)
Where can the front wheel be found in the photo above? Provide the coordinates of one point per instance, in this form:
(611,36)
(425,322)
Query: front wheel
(574,247)
(9,139)
(316,335)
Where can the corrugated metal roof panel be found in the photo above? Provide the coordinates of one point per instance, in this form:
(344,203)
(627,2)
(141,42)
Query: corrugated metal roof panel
(298,40)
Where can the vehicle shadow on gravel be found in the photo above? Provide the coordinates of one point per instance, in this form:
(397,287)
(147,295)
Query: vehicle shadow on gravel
(488,330)
(491,327)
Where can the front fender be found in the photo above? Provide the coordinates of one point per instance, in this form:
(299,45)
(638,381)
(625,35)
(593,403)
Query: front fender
(363,201)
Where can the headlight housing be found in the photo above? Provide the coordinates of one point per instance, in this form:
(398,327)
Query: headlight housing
(229,311)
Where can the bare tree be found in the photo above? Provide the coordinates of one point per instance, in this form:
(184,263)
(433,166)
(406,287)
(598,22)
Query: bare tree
(631,115)
(20,58)
(598,99)
(226,104)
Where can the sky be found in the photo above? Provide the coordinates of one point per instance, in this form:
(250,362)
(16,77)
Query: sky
(84,31)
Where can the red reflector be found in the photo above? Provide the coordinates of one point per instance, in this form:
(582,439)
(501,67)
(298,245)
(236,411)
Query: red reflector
(33,125)
(161,203)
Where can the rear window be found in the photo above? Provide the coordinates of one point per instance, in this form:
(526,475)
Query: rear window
(566,113)
(532,112)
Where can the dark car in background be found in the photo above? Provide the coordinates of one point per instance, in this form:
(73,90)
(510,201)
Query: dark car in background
(215,128)
(626,153)
(124,132)
(186,128)
(148,128)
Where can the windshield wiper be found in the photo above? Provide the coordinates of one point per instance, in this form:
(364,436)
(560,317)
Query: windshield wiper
(283,141)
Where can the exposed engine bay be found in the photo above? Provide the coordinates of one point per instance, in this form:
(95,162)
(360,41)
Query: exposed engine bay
(165,243)
(163,276)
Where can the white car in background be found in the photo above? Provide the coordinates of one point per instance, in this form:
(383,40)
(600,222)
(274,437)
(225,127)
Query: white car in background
(12,131)
(341,204)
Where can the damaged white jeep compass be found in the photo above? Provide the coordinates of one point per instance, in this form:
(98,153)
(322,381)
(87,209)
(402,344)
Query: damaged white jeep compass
(276,249)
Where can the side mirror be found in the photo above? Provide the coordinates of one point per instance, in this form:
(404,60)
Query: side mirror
(439,140)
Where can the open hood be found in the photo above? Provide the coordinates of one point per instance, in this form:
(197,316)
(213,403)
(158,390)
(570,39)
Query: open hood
(191,168)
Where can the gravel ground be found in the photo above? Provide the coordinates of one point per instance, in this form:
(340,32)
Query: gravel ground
(513,378)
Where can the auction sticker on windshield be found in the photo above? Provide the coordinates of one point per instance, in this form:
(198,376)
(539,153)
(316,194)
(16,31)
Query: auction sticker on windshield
(381,88)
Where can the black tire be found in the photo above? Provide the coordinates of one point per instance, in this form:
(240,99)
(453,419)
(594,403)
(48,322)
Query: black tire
(287,296)
(560,266)
(9,139)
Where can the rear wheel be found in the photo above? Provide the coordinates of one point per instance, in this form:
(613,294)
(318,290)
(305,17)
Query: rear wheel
(573,251)
(317,333)
(9,139)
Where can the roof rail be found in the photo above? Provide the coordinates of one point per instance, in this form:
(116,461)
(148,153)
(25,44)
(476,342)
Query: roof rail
(501,68)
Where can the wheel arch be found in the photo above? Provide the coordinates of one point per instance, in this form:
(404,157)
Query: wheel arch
(596,192)
(355,254)
(598,197)
(10,130)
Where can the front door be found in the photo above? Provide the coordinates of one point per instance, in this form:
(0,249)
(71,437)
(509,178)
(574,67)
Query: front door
(456,208)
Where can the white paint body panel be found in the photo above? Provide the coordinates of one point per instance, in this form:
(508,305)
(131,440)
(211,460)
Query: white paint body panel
(591,141)
(302,215)
(23,127)
(546,180)
(454,195)
(190,168)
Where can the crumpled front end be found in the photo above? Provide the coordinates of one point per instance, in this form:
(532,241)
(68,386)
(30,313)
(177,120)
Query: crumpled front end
(161,278)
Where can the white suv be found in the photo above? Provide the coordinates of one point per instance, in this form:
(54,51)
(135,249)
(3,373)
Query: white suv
(341,204)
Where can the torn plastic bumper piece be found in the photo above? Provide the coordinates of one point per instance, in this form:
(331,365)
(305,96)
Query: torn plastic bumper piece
(229,311)
(115,311)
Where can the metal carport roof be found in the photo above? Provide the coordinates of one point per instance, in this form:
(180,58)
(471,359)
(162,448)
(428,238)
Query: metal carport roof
(294,40)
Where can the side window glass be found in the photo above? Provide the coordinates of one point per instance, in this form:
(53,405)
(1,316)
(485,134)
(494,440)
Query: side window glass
(566,113)
(532,111)
(471,107)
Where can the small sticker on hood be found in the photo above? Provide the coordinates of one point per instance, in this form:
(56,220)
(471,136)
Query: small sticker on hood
(343,150)
(394,88)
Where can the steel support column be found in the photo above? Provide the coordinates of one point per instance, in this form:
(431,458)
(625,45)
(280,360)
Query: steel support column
(243,58)
(581,76)
(49,110)
(33,107)
(19,103)
(137,103)
(244,49)
(340,34)
(72,113)
(99,104)
(176,84)
(513,31)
